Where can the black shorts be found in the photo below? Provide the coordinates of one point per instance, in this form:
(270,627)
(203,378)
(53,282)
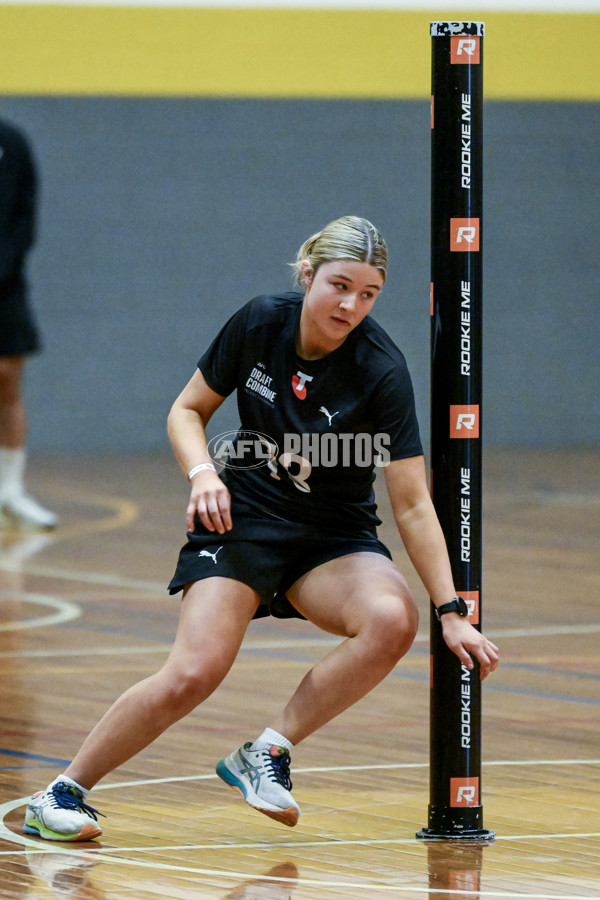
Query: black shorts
(267,553)
(18,331)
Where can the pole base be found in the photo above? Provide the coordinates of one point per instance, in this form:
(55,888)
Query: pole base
(476,834)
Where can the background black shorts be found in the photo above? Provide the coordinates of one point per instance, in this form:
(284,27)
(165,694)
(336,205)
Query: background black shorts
(19,335)
(267,553)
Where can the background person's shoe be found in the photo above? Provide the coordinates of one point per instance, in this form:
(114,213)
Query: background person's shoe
(27,511)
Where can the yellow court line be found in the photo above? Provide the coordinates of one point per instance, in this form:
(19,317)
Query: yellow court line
(121,513)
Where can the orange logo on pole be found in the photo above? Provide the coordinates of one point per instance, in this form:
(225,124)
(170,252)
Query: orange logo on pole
(464,235)
(471,598)
(464,421)
(464,792)
(465,50)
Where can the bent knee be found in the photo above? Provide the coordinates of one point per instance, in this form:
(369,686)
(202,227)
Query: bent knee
(187,686)
(393,624)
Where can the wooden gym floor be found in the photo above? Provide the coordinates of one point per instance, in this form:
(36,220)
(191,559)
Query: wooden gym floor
(85,613)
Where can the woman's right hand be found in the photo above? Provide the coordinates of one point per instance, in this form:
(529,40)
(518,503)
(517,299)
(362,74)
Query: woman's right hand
(209,498)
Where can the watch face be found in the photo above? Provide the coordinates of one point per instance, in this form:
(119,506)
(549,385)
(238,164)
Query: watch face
(463,609)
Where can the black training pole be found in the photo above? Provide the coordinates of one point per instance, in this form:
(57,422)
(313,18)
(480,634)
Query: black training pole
(455,810)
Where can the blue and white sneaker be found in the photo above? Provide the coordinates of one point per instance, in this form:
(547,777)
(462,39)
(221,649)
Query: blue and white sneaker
(60,814)
(263,779)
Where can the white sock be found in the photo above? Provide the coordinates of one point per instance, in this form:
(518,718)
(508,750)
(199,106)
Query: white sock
(63,778)
(12,471)
(270,737)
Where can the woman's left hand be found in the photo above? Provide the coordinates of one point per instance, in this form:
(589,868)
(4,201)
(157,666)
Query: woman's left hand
(465,641)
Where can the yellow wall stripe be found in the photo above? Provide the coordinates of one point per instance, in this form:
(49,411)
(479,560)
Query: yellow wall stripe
(224,52)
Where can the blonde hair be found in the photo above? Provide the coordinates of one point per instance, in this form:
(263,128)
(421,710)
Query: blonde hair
(349,237)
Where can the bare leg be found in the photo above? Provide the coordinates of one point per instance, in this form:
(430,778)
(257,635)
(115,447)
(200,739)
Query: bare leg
(14,499)
(214,616)
(12,410)
(364,597)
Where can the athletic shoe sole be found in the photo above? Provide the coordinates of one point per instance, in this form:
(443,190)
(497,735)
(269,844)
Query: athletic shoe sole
(87,833)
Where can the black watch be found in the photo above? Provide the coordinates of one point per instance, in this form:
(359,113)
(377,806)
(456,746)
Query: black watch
(456,605)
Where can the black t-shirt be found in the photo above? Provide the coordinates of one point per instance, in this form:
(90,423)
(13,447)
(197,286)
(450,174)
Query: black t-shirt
(17,206)
(311,431)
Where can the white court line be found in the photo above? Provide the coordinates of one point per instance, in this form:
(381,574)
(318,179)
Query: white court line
(65,612)
(327,769)
(544,630)
(252,644)
(63,652)
(348,885)
(320,883)
(108,855)
(259,644)
(119,581)
(145,782)
(62,574)
(237,875)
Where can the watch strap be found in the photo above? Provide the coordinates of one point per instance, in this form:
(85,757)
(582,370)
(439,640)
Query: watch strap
(457,604)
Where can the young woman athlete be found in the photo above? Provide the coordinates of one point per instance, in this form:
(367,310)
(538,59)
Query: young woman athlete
(289,526)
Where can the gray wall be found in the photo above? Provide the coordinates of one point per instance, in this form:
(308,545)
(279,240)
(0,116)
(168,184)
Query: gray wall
(158,218)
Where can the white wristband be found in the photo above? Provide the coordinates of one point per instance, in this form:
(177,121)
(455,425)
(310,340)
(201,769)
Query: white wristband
(200,468)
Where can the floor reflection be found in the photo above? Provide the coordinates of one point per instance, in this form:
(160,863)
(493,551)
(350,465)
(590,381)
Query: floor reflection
(454,866)
(277,884)
(65,873)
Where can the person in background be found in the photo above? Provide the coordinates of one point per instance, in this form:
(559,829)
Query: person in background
(19,337)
